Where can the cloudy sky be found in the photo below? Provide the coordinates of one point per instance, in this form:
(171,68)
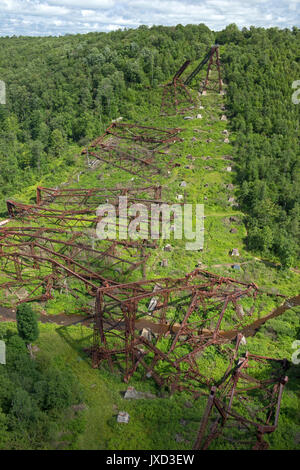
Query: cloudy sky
(56,17)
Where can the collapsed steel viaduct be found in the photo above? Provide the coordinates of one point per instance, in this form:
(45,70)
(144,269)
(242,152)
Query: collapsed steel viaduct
(52,245)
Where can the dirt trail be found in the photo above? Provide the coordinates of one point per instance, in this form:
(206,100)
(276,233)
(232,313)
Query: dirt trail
(289,303)
(248,330)
(8,314)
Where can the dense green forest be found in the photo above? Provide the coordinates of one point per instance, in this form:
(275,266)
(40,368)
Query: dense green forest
(260,69)
(37,399)
(65,90)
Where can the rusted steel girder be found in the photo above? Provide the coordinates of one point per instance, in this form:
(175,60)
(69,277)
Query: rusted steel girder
(183,317)
(181,70)
(134,149)
(69,218)
(32,253)
(246,405)
(92,197)
(176,97)
(86,218)
(76,246)
(42,274)
(136,160)
(152,137)
(213,84)
(199,67)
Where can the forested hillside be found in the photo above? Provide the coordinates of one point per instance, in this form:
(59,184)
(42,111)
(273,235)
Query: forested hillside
(260,69)
(239,157)
(65,90)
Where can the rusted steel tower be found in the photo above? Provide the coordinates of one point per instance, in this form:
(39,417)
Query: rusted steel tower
(213,83)
(176,97)
(214,67)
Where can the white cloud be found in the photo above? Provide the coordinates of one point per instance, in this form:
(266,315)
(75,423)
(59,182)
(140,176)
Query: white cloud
(88,12)
(32,17)
(113,27)
(42,9)
(90,4)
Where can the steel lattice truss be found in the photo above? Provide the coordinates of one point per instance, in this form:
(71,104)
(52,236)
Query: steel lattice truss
(69,218)
(213,59)
(79,219)
(246,405)
(211,83)
(176,97)
(151,137)
(134,149)
(182,316)
(135,160)
(46,257)
(160,326)
(92,197)
(67,245)
(76,209)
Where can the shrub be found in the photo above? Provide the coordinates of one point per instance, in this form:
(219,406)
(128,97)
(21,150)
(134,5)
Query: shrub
(27,323)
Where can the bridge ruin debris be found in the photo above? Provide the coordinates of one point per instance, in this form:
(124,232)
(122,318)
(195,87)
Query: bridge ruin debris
(210,83)
(45,258)
(134,149)
(176,96)
(184,315)
(246,405)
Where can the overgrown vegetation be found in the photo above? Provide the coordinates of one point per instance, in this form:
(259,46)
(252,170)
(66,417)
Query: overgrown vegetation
(37,399)
(65,90)
(261,66)
(63,94)
(27,323)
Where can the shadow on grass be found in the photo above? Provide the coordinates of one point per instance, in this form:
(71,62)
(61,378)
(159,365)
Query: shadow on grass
(78,342)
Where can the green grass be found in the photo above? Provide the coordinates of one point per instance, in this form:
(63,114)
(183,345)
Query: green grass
(153,423)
